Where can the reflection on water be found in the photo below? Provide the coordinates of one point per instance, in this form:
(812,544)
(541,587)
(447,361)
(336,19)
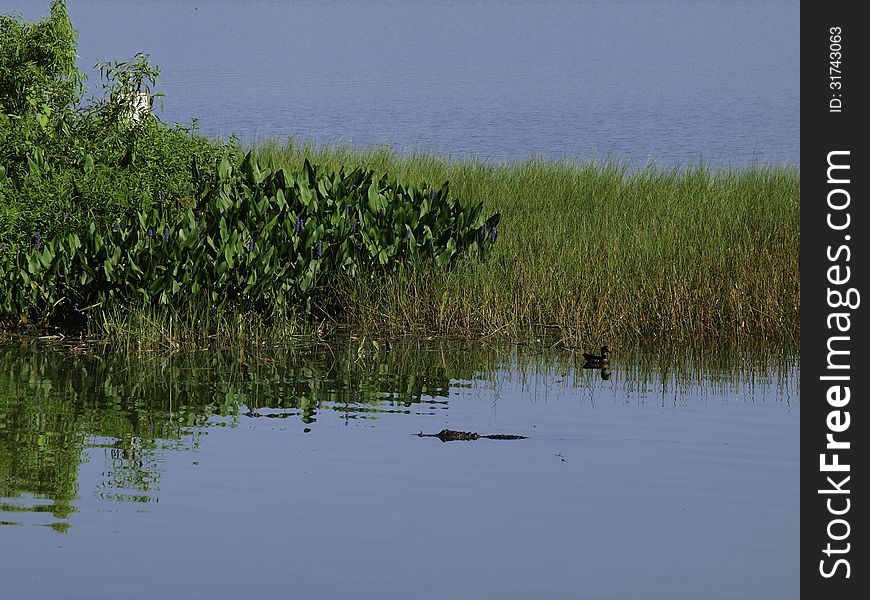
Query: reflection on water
(54,404)
(134,459)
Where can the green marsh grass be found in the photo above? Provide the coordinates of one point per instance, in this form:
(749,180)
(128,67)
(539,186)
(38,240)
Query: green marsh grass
(587,252)
(594,251)
(153,329)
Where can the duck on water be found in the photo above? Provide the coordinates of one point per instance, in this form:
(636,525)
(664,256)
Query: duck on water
(598,360)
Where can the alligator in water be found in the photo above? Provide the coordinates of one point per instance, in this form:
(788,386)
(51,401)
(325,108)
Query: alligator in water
(448,435)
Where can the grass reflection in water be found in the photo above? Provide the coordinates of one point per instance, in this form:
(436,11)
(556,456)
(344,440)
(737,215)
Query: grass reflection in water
(59,410)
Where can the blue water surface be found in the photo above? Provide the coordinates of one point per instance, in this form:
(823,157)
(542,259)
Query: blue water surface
(268,473)
(673,82)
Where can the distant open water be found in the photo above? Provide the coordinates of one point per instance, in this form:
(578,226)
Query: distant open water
(676,82)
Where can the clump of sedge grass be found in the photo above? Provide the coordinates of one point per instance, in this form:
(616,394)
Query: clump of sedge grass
(597,251)
(149,329)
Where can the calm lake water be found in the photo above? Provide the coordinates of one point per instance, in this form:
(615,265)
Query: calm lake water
(673,81)
(296,473)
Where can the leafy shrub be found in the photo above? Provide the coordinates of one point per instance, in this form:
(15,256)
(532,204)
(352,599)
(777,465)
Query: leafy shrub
(266,240)
(65,162)
(101,207)
(38,76)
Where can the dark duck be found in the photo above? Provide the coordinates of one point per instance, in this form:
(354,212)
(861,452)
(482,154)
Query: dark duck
(596,360)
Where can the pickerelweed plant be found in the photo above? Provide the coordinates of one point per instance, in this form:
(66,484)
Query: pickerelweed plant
(256,239)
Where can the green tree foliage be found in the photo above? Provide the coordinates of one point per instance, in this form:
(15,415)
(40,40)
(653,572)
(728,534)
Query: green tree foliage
(103,205)
(65,162)
(38,74)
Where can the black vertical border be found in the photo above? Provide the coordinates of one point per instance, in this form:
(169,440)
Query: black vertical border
(824,131)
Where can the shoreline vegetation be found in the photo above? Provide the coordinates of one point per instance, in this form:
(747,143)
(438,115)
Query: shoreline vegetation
(111,226)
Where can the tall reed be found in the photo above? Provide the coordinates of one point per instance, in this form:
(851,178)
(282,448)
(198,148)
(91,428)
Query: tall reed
(595,250)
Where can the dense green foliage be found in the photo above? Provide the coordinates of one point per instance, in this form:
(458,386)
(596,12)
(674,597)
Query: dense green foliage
(38,76)
(263,240)
(65,162)
(102,206)
(594,252)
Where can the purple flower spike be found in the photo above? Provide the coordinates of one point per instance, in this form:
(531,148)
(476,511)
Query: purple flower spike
(118,227)
(166,234)
(38,240)
(494,234)
(355,223)
(432,194)
(298,225)
(64,215)
(319,249)
(347,210)
(150,233)
(407,233)
(3,248)
(251,245)
(485,230)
